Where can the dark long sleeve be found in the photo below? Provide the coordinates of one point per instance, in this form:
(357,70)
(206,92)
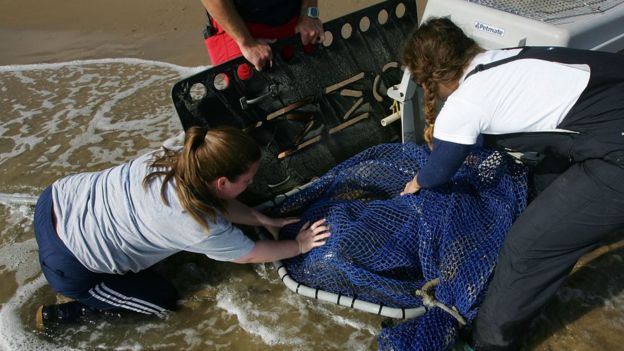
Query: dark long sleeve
(445,160)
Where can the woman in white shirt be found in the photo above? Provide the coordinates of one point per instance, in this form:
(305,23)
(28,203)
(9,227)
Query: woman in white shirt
(559,110)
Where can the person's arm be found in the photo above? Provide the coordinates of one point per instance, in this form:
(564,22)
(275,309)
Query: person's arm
(256,51)
(310,236)
(445,159)
(310,29)
(239,213)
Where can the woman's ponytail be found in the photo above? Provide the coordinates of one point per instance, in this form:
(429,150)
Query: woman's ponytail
(207,155)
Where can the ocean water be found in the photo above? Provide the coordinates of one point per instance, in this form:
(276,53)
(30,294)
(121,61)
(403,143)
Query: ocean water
(58,119)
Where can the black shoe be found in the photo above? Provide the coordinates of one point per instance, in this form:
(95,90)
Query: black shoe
(63,313)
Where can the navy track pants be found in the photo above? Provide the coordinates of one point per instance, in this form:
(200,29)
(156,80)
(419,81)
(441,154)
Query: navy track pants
(145,292)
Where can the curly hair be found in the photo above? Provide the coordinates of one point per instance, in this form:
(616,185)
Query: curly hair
(436,52)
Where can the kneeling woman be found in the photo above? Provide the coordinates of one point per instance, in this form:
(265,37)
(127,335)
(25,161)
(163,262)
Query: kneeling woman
(100,232)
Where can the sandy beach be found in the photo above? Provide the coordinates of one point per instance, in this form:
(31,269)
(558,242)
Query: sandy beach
(71,117)
(55,31)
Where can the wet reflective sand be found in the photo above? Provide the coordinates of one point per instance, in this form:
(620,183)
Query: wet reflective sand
(70,117)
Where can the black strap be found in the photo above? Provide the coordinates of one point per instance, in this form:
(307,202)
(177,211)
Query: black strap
(482,67)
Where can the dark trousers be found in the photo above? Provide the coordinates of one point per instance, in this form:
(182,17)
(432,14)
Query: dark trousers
(144,292)
(569,218)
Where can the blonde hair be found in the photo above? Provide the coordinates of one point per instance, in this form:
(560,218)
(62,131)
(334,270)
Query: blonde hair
(206,156)
(436,52)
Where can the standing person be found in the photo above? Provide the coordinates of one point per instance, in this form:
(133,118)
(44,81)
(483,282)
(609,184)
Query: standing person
(563,109)
(246,27)
(100,232)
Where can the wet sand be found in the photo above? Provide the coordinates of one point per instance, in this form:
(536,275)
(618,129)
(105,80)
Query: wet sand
(55,31)
(37,31)
(586,314)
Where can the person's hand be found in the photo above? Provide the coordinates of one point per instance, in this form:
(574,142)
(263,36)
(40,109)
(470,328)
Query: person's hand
(310,29)
(258,52)
(411,187)
(278,223)
(311,236)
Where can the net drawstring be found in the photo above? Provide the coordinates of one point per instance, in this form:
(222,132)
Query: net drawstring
(429,300)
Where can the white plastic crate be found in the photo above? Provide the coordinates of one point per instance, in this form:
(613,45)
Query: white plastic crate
(590,24)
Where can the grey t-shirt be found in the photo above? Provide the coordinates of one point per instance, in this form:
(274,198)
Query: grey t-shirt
(112,224)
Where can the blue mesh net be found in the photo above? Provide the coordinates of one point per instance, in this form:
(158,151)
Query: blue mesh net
(385,246)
